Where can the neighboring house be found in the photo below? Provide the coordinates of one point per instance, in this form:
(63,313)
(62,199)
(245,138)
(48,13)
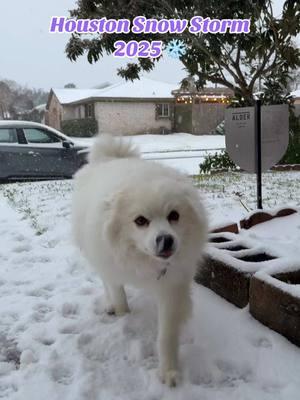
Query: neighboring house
(37,114)
(199,112)
(141,106)
(40,110)
(296,95)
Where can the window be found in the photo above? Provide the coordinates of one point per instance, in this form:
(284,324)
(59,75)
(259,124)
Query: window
(163,110)
(8,135)
(89,110)
(34,135)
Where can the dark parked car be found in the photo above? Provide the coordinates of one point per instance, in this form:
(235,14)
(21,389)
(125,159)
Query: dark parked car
(29,150)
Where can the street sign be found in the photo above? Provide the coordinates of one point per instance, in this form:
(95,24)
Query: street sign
(240,135)
(240,140)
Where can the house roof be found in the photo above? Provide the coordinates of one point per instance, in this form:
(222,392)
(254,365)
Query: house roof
(143,88)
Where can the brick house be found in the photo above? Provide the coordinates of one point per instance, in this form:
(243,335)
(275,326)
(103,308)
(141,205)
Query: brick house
(142,106)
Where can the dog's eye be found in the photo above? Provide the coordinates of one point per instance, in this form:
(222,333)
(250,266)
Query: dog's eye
(141,221)
(173,216)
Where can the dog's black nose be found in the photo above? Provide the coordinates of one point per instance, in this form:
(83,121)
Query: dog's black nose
(164,243)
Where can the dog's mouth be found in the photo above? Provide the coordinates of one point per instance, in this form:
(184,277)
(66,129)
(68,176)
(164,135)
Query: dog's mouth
(165,254)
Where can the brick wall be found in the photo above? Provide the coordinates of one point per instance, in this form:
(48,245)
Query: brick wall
(54,113)
(129,118)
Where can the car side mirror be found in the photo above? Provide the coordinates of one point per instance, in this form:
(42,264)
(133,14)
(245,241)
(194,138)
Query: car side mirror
(67,144)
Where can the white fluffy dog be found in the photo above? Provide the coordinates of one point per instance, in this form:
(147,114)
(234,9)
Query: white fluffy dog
(140,223)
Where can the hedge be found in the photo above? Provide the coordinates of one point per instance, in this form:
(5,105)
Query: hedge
(86,127)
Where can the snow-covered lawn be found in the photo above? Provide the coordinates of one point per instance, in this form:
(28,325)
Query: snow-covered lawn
(56,342)
(172,142)
(178,150)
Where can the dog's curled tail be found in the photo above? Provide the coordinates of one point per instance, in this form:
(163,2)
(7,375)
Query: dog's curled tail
(107,147)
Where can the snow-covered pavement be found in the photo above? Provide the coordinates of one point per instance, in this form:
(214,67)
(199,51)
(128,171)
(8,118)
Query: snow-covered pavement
(56,341)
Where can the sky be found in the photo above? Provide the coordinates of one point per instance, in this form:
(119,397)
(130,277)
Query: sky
(33,57)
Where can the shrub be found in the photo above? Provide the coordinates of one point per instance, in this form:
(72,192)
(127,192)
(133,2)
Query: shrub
(217,162)
(292,155)
(80,127)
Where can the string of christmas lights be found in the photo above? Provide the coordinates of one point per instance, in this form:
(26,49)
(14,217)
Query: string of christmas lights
(207,98)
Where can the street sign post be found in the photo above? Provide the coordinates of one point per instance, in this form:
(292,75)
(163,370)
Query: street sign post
(257,138)
(258,159)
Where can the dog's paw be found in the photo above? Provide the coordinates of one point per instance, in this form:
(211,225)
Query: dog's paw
(169,377)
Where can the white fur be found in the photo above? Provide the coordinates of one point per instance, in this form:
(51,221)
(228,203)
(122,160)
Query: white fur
(110,193)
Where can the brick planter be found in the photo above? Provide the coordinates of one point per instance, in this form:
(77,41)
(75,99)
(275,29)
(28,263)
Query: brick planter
(231,284)
(241,271)
(275,301)
(233,228)
(229,265)
(260,217)
(231,261)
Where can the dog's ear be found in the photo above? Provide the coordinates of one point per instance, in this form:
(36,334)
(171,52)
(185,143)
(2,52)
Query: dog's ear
(112,211)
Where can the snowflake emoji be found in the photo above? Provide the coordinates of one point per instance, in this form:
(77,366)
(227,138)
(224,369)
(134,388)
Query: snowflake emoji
(176,48)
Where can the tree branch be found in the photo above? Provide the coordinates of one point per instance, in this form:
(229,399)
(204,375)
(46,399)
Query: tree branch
(261,69)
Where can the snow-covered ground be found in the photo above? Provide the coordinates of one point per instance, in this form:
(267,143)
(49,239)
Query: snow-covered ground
(172,142)
(178,150)
(56,342)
